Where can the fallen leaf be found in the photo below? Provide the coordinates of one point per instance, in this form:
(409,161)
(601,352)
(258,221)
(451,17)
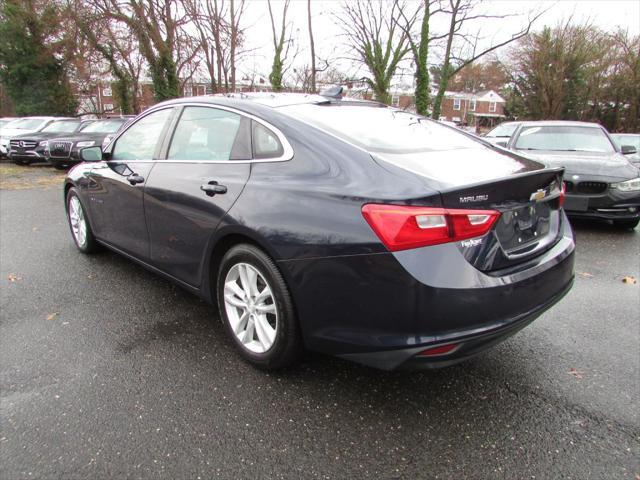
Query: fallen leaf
(629,279)
(576,373)
(51,316)
(14,278)
(585,275)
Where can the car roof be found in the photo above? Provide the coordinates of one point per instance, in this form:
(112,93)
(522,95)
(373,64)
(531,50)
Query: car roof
(566,123)
(268,99)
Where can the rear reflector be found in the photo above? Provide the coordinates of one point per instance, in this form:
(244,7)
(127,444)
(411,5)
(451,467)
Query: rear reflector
(402,227)
(441,350)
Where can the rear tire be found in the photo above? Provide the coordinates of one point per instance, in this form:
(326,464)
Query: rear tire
(81,231)
(59,166)
(626,224)
(256,308)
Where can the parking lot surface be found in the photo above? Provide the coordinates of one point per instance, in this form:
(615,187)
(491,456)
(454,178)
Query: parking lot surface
(107,370)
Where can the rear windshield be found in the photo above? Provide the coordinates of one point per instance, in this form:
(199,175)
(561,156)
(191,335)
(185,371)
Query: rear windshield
(379,129)
(504,130)
(27,123)
(103,126)
(61,127)
(564,138)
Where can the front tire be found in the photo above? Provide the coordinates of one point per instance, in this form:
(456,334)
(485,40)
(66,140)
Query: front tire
(79,224)
(256,307)
(626,224)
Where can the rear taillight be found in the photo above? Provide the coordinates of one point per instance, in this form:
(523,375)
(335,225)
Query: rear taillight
(404,227)
(563,190)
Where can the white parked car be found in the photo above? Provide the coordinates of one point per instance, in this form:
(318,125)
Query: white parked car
(19,127)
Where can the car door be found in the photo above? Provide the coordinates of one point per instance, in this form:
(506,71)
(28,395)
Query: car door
(206,165)
(117,184)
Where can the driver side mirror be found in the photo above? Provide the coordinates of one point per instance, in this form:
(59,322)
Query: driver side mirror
(502,143)
(91,154)
(628,149)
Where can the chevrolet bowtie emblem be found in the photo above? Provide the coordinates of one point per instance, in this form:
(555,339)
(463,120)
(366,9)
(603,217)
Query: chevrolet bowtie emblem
(538,195)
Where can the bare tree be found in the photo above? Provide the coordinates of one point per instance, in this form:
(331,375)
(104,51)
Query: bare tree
(116,47)
(371,28)
(463,48)
(155,24)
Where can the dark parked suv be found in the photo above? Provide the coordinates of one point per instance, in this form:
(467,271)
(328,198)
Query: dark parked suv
(63,151)
(30,147)
(345,227)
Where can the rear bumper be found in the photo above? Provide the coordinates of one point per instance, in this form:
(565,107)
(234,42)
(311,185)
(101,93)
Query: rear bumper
(383,309)
(469,344)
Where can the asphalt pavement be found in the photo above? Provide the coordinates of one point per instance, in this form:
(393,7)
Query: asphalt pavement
(108,371)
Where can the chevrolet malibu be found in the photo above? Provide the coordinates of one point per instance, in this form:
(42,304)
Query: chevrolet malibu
(333,225)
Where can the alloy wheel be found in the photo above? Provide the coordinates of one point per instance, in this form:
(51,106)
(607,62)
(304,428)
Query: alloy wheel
(77,221)
(251,308)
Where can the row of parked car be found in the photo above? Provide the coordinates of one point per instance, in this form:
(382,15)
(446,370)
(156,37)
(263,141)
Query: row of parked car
(56,140)
(601,174)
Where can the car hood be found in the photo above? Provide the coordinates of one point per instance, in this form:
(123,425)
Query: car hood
(603,166)
(463,166)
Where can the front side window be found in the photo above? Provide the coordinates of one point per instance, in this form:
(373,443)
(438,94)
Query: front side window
(204,133)
(140,141)
(564,138)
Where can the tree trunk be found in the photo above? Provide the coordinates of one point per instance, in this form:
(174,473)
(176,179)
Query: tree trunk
(234,41)
(313,49)
(422,70)
(446,68)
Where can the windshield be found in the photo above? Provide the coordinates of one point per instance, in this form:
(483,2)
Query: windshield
(103,126)
(503,130)
(633,140)
(27,123)
(564,138)
(379,129)
(62,127)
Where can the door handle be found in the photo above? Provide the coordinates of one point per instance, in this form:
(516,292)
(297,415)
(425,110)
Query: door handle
(212,188)
(134,179)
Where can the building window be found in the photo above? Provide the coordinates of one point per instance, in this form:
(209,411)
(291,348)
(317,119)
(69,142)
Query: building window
(456,104)
(106,92)
(492,107)
(108,107)
(395,100)
(472,105)
(188,91)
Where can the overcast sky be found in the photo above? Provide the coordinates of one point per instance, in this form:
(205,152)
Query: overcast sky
(607,14)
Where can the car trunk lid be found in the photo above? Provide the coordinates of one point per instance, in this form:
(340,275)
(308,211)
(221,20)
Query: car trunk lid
(526,194)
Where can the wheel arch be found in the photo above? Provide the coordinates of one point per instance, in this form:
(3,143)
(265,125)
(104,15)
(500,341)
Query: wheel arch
(226,238)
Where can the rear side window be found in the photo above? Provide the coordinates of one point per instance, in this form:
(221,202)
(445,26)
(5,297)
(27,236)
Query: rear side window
(265,142)
(140,141)
(204,133)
